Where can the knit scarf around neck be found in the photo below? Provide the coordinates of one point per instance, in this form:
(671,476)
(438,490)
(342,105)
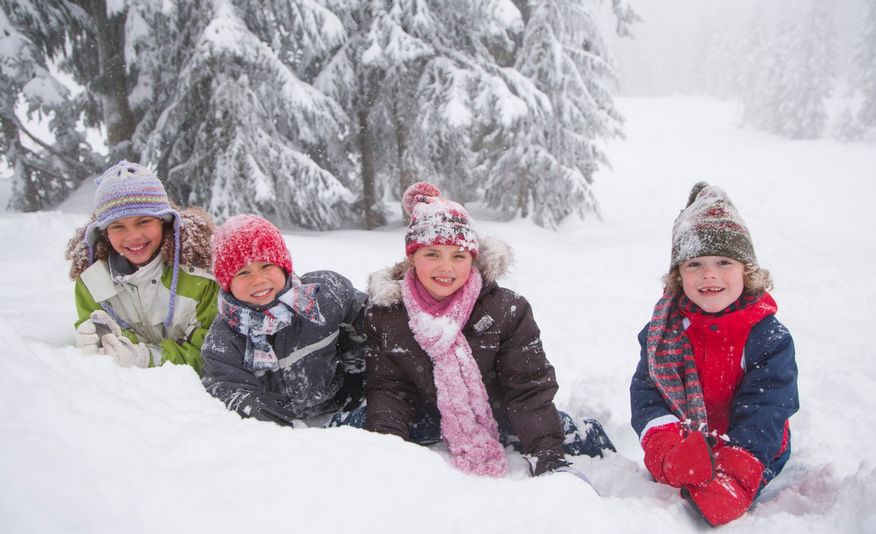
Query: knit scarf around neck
(297,298)
(467,423)
(671,363)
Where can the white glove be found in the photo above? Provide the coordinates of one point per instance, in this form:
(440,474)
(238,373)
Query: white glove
(124,351)
(87,338)
(104,324)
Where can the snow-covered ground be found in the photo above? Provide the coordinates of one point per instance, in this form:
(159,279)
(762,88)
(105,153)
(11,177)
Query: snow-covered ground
(86,446)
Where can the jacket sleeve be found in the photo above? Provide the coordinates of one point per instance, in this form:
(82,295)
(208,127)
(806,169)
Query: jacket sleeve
(225,378)
(647,406)
(767,396)
(351,342)
(390,396)
(182,351)
(85,304)
(528,383)
(188,351)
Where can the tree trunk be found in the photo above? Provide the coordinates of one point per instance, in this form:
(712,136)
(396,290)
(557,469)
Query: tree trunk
(369,195)
(112,84)
(523,194)
(373,215)
(406,175)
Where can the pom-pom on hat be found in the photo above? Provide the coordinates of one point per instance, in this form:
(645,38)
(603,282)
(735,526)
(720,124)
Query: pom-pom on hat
(436,220)
(244,239)
(710,226)
(131,190)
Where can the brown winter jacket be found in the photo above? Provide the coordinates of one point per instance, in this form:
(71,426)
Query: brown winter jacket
(505,342)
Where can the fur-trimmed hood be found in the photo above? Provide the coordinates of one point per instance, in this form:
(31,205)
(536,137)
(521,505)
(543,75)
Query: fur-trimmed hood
(493,261)
(196,230)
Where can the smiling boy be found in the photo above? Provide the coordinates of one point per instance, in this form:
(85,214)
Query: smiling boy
(717,379)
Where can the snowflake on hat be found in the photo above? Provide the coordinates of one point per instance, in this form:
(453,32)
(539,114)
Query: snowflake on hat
(435,220)
(245,239)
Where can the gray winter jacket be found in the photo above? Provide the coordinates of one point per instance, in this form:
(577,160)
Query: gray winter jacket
(321,367)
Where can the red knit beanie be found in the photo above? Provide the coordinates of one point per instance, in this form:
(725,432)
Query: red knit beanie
(244,239)
(436,220)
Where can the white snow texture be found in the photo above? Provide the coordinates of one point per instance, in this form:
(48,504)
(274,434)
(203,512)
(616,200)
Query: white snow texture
(87,446)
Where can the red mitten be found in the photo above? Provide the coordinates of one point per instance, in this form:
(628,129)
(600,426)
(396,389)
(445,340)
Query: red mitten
(732,491)
(677,460)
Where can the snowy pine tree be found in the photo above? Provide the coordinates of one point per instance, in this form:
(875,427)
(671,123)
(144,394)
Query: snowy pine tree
(807,74)
(241,131)
(759,94)
(793,68)
(542,166)
(44,170)
(866,62)
(423,74)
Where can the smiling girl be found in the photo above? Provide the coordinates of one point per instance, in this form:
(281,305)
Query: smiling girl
(144,293)
(717,379)
(452,356)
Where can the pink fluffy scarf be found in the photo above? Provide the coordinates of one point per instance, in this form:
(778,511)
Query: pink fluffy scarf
(467,423)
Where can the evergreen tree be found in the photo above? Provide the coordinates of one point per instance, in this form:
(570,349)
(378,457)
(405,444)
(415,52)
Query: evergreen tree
(415,75)
(542,166)
(793,67)
(759,93)
(807,74)
(44,170)
(240,131)
(866,62)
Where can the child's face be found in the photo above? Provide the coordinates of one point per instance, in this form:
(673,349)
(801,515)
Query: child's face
(442,269)
(136,238)
(712,282)
(258,283)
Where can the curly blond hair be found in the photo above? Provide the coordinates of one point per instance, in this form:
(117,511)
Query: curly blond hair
(755,280)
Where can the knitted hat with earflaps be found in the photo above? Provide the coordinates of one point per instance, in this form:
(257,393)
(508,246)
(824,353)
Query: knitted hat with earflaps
(710,226)
(244,239)
(130,190)
(436,220)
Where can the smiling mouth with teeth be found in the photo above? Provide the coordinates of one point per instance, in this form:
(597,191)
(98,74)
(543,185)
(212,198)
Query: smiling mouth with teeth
(710,289)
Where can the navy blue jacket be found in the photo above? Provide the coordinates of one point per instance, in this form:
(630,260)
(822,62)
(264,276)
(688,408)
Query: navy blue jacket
(765,399)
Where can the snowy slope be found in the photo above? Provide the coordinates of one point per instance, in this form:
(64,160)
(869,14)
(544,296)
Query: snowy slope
(86,446)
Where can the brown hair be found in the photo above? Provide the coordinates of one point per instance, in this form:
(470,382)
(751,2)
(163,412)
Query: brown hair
(755,280)
(196,230)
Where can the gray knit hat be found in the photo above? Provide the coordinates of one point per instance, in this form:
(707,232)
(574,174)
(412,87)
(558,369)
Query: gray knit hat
(710,226)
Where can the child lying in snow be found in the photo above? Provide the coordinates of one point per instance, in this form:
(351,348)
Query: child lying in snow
(453,356)
(144,294)
(717,379)
(282,348)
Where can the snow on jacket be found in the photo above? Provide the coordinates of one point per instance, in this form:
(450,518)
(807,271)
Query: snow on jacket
(316,362)
(762,384)
(141,298)
(505,343)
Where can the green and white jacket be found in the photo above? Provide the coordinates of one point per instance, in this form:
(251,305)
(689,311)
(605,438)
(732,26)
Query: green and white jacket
(141,298)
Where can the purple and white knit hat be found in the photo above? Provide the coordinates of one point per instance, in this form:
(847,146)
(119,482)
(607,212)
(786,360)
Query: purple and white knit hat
(127,190)
(436,220)
(131,190)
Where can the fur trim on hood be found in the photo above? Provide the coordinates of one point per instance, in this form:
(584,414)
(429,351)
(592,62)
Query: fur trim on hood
(493,261)
(196,230)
